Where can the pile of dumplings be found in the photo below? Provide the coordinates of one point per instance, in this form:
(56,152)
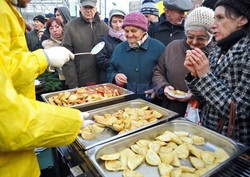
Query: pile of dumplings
(177,154)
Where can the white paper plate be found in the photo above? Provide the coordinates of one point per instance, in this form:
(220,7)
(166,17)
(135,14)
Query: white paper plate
(187,95)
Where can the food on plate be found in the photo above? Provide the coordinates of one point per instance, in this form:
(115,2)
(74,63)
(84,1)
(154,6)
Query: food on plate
(87,135)
(125,153)
(154,145)
(208,157)
(89,132)
(167,157)
(181,133)
(141,150)
(129,118)
(186,139)
(185,159)
(84,95)
(176,162)
(114,156)
(113,165)
(177,92)
(134,161)
(130,173)
(194,150)
(197,163)
(176,173)
(198,140)
(182,151)
(165,169)
(187,169)
(220,155)
(152,158)
(201,171)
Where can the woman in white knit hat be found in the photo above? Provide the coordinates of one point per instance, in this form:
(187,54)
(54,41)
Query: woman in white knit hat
(222,80)
(170,72)
(115,36)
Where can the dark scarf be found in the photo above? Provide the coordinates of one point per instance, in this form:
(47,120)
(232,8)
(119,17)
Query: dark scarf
(230,40)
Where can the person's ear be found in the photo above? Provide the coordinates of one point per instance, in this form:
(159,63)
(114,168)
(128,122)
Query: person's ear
(242,21)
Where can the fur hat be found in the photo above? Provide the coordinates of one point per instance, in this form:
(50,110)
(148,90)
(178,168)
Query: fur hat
(241,6)
(182,5)
(136,19)
(39,18)
(149,7)
(200,17)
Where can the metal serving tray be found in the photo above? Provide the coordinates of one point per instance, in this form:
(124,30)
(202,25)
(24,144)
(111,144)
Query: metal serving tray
(108,134)
(213,141)
(122,91)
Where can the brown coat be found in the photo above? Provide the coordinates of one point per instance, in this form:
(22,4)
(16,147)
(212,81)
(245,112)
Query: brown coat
(82,36)
(170,70)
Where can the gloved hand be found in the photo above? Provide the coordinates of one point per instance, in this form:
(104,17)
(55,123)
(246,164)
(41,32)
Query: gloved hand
(57,56)
(85,123)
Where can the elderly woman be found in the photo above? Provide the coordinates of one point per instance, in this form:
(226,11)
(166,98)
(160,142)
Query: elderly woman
(223,79)
(115,36)
(133,60)
(55,29)
(170,72)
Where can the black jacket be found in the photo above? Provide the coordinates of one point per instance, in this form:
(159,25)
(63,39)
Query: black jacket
(103,57)
(165,31)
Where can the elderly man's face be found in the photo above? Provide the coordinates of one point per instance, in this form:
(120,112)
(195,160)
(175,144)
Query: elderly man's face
(175,17)
(88,12)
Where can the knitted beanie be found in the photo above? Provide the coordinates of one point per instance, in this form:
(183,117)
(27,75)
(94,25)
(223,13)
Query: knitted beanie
(39,18)
(136,19)
(200,17)
(149,7)
(241,6)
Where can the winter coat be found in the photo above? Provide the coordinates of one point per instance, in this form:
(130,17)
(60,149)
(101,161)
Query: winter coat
(33,40)
(170,71)
(82,36)
(165,31)
(228,79)
(136,64)
(26,123)
(104,56)
(50,43)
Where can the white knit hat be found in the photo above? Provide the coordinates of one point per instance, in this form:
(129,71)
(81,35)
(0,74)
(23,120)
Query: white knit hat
(200,17)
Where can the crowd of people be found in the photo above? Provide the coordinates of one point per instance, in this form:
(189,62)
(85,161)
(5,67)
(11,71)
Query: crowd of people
(203,51)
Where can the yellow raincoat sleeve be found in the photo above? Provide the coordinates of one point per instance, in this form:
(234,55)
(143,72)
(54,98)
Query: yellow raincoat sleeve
(26,124)
(23,66)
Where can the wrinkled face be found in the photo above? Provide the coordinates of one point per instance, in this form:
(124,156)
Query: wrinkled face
(175,17)
(133,34)
(197,38)
(38,25)
(151,18)
(23,3)
(116,22)
(55,30)
(59,16)
(224,26)
(88,12)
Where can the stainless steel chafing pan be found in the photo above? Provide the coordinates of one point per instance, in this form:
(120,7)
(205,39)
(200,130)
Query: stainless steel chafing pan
(213,141)
(109,135)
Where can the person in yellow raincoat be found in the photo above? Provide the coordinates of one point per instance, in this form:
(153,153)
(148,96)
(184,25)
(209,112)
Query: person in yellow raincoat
(24,122)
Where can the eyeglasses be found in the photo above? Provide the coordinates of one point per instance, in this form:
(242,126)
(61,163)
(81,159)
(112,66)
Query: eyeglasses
(198,38)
